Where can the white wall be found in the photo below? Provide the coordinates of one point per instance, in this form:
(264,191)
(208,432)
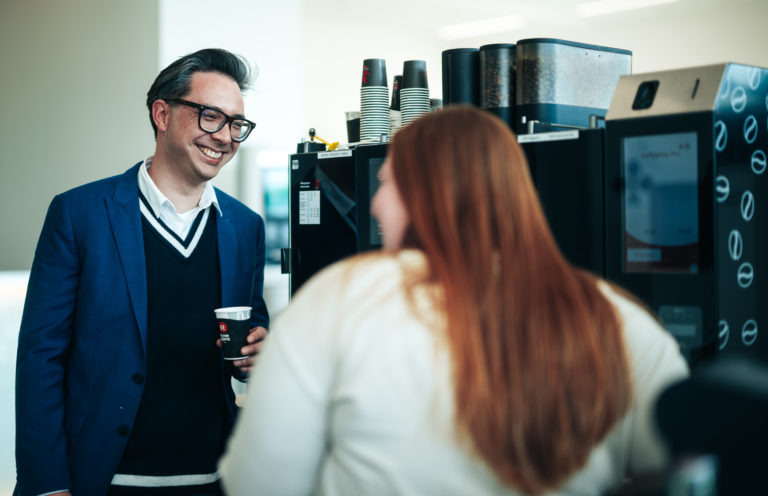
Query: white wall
(74,78)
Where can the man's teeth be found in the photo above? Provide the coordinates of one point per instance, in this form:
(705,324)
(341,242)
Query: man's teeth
(210,153)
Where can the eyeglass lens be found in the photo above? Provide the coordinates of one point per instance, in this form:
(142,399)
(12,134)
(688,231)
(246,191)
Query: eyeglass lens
(212,120)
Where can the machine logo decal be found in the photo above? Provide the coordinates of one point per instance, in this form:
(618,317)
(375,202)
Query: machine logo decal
(739,100)
(735,245)
(758,162)
(722,188)
(726,89)
(746,275)
(722,334)
(747,205)
(750,129)
(721,136)
(749,332)
(754,77)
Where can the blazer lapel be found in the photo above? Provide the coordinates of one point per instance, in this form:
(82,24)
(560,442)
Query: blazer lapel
(227,256)
(125,218)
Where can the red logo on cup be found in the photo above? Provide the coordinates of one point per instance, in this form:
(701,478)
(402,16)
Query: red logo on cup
(222,327)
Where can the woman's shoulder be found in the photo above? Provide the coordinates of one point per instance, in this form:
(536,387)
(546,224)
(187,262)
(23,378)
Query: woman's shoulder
(651,349)
(632,312)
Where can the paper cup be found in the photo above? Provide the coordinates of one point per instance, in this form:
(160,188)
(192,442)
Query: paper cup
(234,327)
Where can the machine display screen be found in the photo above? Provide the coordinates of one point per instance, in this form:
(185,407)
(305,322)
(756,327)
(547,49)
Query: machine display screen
(661,207)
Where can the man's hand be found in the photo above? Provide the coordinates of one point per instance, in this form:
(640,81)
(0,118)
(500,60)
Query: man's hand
(255,341)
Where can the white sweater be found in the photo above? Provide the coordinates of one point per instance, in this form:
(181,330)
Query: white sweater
(352,395)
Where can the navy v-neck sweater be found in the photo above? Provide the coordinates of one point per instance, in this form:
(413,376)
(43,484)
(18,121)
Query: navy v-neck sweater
(181,425)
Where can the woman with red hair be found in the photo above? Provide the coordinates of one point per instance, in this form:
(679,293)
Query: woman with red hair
(467,357)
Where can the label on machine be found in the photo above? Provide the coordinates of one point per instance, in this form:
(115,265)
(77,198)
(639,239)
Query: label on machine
(309,207)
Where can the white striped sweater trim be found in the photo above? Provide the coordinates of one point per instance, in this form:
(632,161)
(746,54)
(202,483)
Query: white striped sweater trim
(164,480)
(170,237)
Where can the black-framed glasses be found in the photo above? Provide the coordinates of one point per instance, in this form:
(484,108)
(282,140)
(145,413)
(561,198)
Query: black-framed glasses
(211,120)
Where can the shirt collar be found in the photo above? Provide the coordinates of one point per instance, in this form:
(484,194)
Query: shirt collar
(157,199)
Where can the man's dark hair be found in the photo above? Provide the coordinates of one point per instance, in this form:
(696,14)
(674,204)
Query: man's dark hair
(174,80)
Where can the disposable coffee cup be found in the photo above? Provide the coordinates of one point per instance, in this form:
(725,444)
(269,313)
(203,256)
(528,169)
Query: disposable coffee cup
(374,72)
(353,126)
(234,324)
(414,74)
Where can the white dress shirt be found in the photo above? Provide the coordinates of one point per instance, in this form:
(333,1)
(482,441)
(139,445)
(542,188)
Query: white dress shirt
(165,210)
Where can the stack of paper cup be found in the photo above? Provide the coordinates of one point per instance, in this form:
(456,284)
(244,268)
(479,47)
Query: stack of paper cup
(414,94)
(374,98)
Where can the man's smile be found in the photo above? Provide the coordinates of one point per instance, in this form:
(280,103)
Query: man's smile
(209,152)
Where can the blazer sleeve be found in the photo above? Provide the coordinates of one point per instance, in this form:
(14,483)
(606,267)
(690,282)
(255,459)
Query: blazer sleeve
(259,313)
(45,335)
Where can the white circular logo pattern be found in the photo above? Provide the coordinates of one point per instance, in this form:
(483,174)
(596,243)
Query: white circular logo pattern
(750,129)
(754,77)
(727,89)
(747,205)
(735,245)
(749,332)
(721,136)
(722,189)
(758,162)
(745,275)
(739,100)
(722,334)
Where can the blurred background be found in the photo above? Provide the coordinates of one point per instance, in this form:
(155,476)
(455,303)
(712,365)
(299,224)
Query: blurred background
(75,74)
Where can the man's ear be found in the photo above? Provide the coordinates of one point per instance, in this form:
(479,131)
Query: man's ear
(161,114)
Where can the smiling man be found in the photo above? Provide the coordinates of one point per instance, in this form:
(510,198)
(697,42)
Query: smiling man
(121,387)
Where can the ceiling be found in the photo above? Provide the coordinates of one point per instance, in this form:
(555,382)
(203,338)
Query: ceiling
(541,14)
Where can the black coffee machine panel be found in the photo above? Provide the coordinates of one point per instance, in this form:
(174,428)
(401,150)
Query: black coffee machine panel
(685,227)
(567,168)
(330,194)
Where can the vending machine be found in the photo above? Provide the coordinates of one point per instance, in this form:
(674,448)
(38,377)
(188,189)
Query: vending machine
(686,228)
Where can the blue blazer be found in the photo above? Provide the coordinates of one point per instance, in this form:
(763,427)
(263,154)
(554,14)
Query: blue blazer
(84,331)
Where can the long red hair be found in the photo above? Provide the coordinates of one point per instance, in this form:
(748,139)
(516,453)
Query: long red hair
(540,369)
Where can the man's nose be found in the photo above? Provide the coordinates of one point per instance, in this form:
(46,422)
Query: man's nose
(224,134)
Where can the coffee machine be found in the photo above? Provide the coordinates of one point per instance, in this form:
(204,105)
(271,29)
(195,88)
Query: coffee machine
(685,226)
(665,200)
(329,214)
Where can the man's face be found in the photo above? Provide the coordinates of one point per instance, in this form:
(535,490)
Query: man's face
(192,152)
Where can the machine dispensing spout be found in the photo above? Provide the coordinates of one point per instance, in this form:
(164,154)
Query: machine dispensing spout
(313,135)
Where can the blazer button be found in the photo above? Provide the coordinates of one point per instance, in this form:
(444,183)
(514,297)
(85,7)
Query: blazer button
(138,378)
(123,430)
